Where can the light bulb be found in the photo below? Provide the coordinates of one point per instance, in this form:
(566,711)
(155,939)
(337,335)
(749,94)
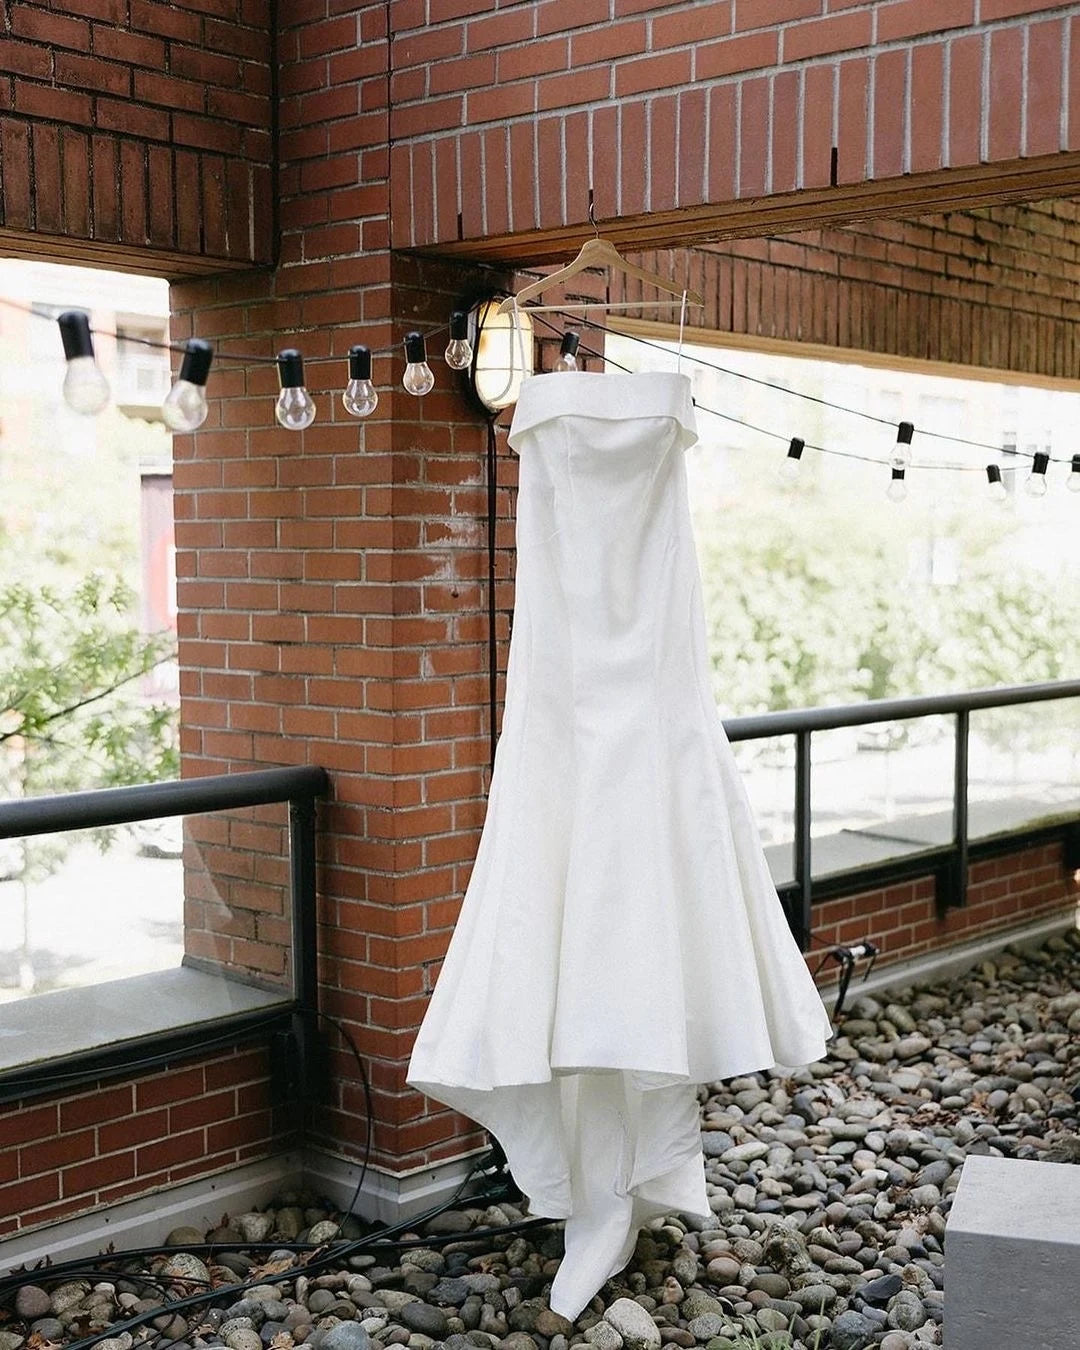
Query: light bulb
(1073,480)
(1035,483)
(897,489)
(418,379)
(791,464)
(295,408)
(458,352)
(360,398)
(997,490)
(567,358)
(86,390)
(185,406)
(901,454)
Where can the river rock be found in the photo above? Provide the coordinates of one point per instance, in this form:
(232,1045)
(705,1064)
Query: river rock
(879,1291)
(906,1311)
(634,1325)
(852,1331)
(253,1227)
(185,1267)
(32,1302)
(422,1317)
(346,1336)
(603,1336)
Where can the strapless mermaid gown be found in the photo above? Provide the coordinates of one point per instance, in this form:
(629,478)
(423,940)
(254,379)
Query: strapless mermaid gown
(621,939)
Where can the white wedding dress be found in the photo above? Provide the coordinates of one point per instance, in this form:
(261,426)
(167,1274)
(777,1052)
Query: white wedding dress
(621,939)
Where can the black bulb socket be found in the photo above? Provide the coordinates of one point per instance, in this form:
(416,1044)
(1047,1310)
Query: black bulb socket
(195,366)
(459,326)
(570,344)
(899,474)
(415,349)
(904,433)
(1040,462)
(75,334)
(1076,464)
(290,365)
(359,363)
(993,473)
(795,449)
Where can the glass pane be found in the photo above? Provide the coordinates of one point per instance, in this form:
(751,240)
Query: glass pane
(767,768)
(1023,766)
(881,792)
(107,934)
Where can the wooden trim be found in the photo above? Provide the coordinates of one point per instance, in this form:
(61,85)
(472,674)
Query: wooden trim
(849,356)
(145,260)
(959,189)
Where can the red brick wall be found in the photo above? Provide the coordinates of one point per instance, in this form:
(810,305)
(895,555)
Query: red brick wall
(666,108)
(992,287)
(142,125)
(331,584)
(78,1151)
(237,913)
(902,920)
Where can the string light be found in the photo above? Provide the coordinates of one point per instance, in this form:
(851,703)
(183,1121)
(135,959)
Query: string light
(295,408)
(997,491)
(458,352)
(86,390)
(897,490)
(185,405)
(901,455)
(791,464)
(1035,483)
(418,379)
(567,358)
(359,396)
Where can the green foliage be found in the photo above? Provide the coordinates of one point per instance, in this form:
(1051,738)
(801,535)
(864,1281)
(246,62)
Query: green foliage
(812,602)
(71,711)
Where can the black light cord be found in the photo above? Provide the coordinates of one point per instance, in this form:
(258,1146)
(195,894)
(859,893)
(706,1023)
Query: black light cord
(332,1255)
(219,355)
(783,389)
(783,437)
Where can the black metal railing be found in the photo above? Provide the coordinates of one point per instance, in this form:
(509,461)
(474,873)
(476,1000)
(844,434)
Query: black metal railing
(947,864)
(300,787)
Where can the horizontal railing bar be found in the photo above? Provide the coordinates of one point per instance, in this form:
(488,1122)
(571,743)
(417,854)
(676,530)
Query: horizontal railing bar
(150,801)
(789,722)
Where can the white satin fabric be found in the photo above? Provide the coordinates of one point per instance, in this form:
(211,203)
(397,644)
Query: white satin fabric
(621,939)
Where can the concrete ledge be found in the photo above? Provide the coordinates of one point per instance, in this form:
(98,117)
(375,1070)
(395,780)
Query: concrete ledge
(388,1196)
(1013,1256)
(148,1218)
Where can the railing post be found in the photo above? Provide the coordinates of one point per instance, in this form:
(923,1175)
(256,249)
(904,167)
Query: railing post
(801,921)
(305,958)
(956,886)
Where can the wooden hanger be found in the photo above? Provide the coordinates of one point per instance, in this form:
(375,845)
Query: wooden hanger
(600,253)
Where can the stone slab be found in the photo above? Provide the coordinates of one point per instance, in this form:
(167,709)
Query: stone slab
(1012,1256)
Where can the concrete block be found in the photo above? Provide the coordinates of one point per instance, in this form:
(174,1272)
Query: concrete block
(1012,1256)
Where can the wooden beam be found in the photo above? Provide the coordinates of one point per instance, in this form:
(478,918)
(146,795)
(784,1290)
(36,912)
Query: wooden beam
(960,189)
(145,260)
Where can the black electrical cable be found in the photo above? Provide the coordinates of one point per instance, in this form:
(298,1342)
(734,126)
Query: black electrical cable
(783,389)
(764,431)
(380,1240)
(346,1035)
(250,358)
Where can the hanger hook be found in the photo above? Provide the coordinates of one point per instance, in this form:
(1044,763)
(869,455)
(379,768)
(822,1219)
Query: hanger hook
(592,216)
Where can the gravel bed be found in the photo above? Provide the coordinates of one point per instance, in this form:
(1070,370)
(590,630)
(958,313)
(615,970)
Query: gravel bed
(830,1189)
